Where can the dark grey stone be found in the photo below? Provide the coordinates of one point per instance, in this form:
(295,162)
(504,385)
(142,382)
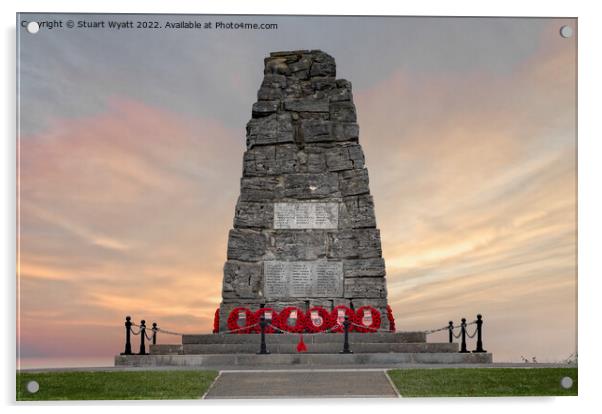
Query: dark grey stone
(272,129)
(344,158)
(307,105)
(316,162)
(344,83)
(325,68)
(342,91)
(258,188)
(300,69)
(323,303)
(374,267)
(356,155)
(343,111)
(298,88)
(246,245)
(274,81)
(264,108)
(357,212)
(287,53)
(316,130)
(358,287)
(271,160)
(320,130)
(354,182)
(297,245)
(311,186)
(242,279)
(277,65)
(260,215)
(323,83)
(345,131)
(356,243)
(269,94)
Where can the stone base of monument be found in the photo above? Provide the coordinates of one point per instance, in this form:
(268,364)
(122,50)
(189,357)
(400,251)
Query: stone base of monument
(219,350)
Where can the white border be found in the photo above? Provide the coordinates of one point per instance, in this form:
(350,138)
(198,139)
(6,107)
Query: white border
(590,206)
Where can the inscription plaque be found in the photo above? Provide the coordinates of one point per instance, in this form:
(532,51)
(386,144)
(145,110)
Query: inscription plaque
(318,278)
(306,215)
(275,281)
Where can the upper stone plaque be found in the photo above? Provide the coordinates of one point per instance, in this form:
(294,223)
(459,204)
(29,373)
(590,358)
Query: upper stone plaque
(304,229)
(306,215)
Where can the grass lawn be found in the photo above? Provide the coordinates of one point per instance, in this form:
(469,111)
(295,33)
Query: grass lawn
(483,382)
(111,385)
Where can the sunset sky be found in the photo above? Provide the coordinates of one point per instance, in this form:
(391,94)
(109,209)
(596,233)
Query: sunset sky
(130,155)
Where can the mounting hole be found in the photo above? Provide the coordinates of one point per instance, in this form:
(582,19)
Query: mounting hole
(33,387)
(566,383)
(566,31)
(33,27)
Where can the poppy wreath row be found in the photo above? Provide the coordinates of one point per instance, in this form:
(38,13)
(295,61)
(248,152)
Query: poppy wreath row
(391,319)
(328,320)
(281,320)
(216,321)
(335,314)
(249,321)
(359,324)
(304,322)
(257,316)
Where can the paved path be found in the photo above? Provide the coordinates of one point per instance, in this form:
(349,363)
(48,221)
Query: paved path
(302,384)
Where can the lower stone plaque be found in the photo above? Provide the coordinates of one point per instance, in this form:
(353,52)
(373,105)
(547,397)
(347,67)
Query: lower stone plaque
(318,278)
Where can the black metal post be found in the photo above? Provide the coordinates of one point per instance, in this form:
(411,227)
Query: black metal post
(479,322)
(155,329)
(346,325)
(463,327)
(262,324)
(142,334)
(128,330)
(450,328)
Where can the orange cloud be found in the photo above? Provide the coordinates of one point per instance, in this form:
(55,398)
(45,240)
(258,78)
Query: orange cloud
(475,196)
(123,212)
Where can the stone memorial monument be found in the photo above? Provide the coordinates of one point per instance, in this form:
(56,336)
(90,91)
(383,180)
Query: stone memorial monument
(304,231)
(304,235)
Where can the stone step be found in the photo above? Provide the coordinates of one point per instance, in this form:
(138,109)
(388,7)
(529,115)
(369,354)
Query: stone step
(166,349)
(354,337)
(303,360)
(319,348)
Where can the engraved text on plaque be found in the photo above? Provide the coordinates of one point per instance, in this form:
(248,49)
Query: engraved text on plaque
(319,278)
(306,215)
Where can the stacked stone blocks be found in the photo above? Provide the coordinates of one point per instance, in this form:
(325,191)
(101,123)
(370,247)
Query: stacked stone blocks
(303,147)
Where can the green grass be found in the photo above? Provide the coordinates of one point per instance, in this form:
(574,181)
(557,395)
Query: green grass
(483,382)
(111,385)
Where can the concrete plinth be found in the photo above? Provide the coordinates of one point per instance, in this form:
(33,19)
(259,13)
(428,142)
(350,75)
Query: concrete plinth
(303,360)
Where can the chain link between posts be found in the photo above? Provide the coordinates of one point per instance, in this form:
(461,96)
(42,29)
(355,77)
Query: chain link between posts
(447,328)
(473,334)
(367,327)
(329,330)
